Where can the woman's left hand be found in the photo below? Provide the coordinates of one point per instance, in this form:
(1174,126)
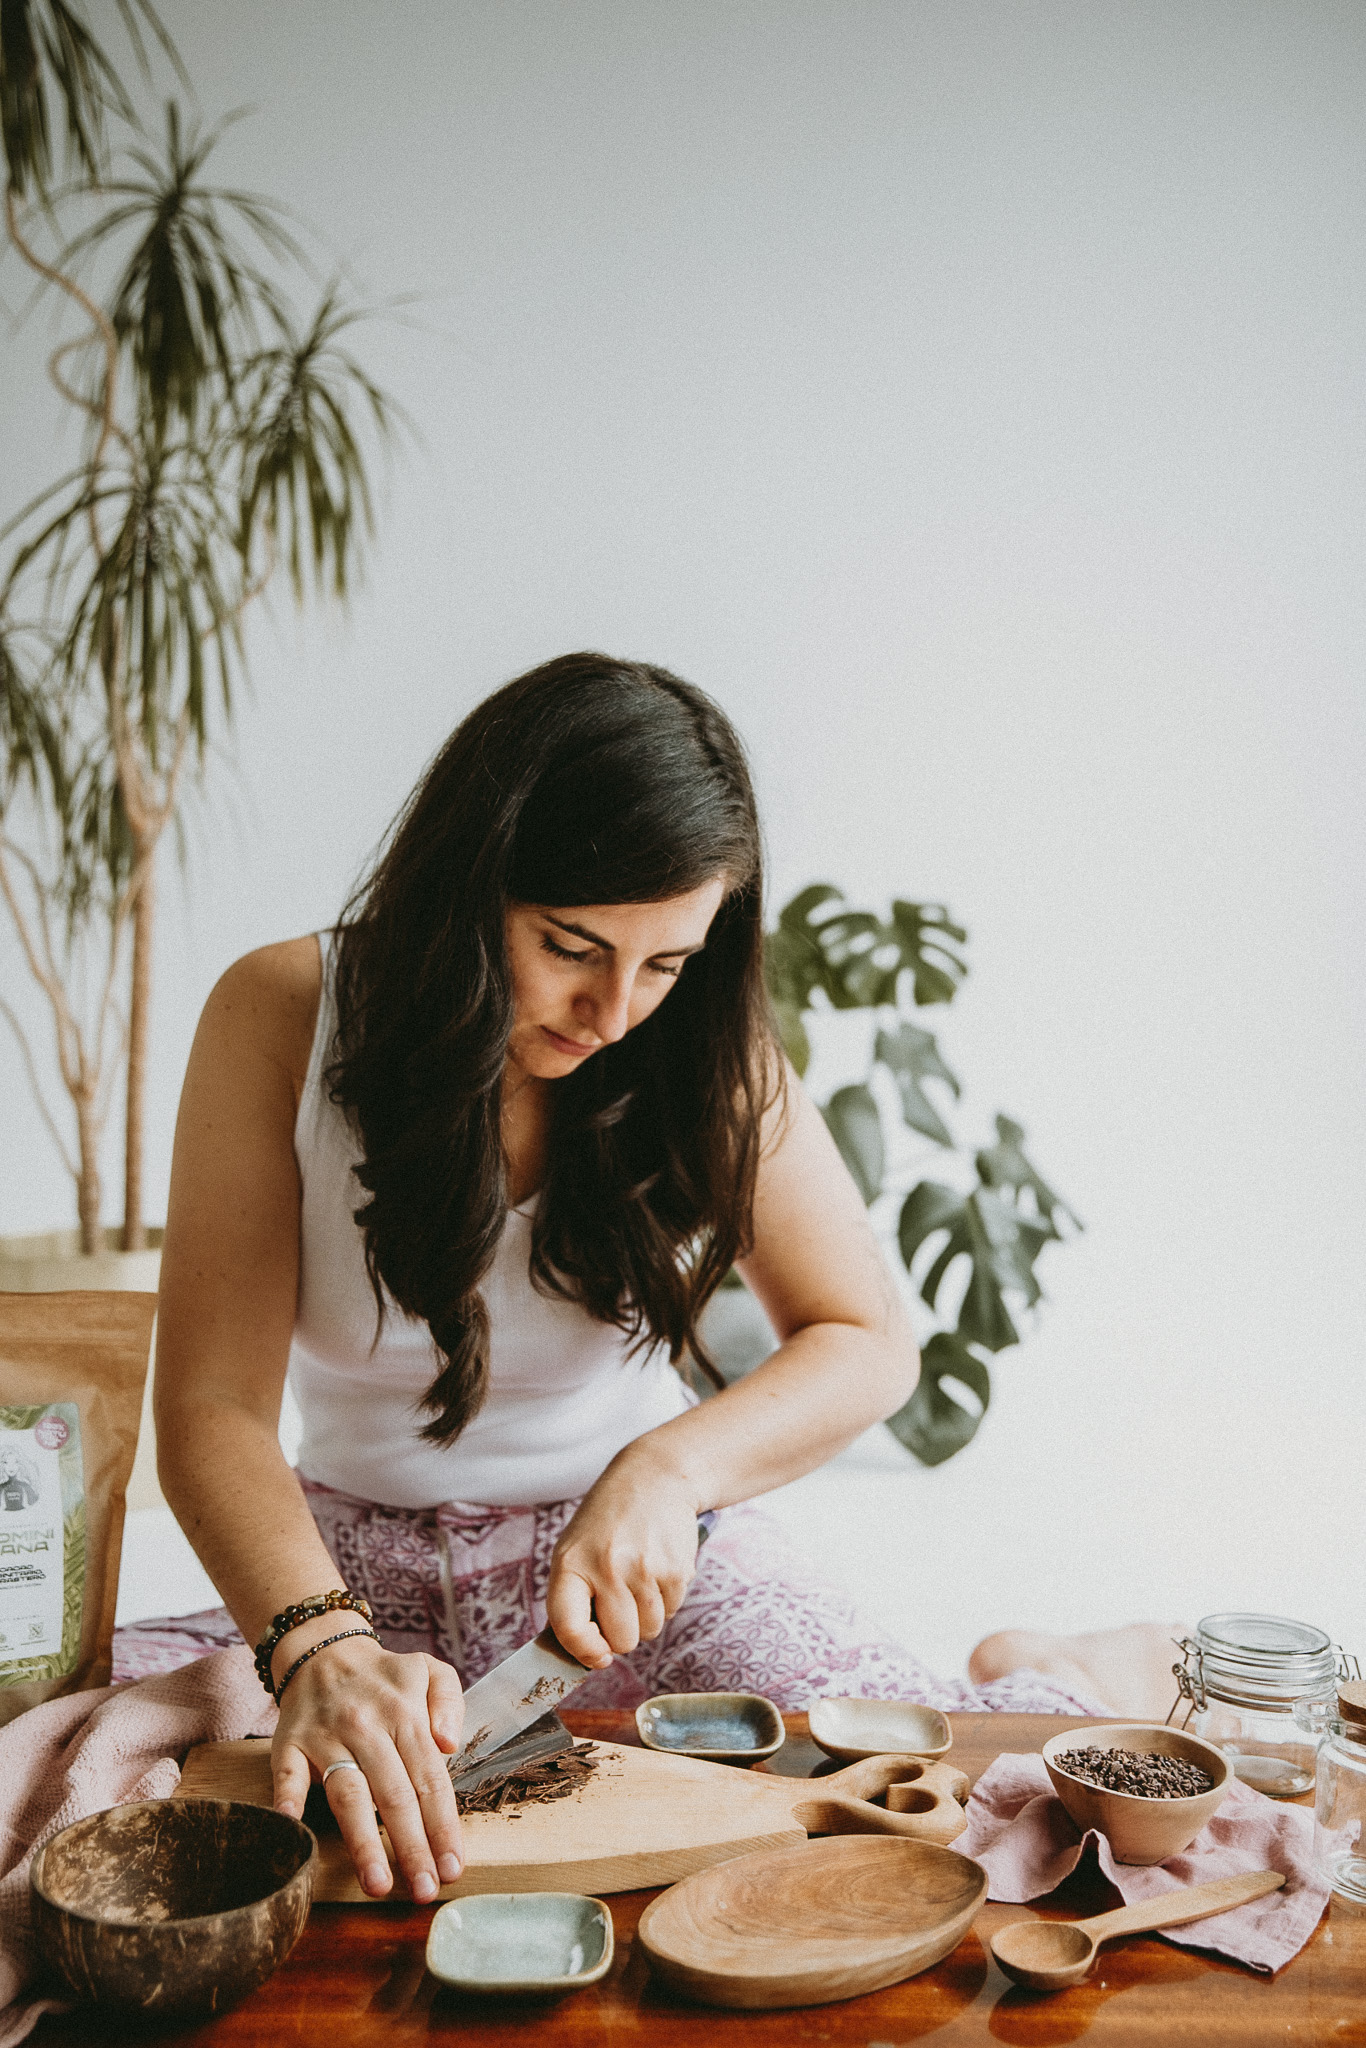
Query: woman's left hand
(622,1566)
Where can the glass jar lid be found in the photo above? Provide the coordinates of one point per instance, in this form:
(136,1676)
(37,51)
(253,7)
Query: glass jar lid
(1263,1660)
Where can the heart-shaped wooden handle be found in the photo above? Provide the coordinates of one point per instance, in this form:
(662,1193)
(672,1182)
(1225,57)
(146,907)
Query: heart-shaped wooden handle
(923,1801)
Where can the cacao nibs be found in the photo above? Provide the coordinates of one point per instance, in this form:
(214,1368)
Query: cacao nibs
(534,1786)
(1148,1774)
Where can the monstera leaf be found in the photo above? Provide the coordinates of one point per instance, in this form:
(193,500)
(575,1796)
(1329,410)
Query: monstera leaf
(922,930)
(862,962)
(794,966)
(856,1127)
(1001,1245)
(933,1425)
(855,957)
(1003,1165)
(911,1056)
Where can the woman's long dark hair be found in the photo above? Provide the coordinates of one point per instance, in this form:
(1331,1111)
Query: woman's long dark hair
(588,780)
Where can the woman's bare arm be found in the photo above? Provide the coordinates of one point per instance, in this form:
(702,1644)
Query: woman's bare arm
(847,1358)
(229,1286)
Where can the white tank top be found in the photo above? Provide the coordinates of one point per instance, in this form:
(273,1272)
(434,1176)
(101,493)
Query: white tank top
(563,1396)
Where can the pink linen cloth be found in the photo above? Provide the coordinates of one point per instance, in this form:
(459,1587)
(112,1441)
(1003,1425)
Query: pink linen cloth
(92,1750)
(1021,1834)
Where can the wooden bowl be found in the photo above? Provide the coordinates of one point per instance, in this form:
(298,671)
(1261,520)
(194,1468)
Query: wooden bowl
(521,1942)
(804,1926)
(172,1905)
(725,1727)
(855,1729)
(1139,1829)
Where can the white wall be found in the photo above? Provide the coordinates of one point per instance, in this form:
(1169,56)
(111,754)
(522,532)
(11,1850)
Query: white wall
(971,397)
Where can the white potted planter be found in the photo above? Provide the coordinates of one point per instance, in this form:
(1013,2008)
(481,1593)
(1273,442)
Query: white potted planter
(51,1262)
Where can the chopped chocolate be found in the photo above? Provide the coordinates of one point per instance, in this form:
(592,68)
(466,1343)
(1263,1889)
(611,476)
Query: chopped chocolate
(535,1784)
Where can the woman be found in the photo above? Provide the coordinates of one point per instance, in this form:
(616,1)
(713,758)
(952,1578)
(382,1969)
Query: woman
(468,1169)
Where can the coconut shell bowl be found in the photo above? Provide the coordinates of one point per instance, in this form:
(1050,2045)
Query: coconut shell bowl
(172,1906)
(1140,1829)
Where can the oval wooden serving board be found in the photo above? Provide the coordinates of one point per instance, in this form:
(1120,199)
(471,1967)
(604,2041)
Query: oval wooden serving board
(643,1818)
(807,1925)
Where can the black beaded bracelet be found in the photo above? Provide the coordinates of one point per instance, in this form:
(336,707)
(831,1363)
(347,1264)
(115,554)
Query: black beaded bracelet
(326,1643)
(304,1610)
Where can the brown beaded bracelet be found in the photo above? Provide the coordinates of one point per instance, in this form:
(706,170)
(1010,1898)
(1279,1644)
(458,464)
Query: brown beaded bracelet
(304,1610)
(326,1643)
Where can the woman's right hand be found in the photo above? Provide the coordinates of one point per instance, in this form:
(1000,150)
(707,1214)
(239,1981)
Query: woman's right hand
(397,1717)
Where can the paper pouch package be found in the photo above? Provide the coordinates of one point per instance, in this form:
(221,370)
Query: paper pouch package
(72,1368)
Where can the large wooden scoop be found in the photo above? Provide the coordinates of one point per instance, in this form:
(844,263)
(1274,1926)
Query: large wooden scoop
(1048,1955)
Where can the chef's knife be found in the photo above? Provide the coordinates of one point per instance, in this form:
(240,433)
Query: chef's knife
(524,1687)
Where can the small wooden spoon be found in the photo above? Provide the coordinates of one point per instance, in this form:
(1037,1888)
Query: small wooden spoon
(1048,1955)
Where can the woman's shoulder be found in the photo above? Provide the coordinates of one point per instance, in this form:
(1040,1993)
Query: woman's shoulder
(266,1003)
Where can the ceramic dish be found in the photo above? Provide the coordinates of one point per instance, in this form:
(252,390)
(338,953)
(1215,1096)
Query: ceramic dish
(855,1729)
(1139,1829)
(810,1924)
(726,1727)
(520,1941)
(181,1905)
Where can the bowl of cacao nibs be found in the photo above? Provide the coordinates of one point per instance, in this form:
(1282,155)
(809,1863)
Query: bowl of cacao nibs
(1147,1788)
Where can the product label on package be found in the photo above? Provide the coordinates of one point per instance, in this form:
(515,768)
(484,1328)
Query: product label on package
(42,1541)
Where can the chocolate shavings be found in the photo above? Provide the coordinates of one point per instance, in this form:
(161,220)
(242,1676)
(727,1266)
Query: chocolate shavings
(535,1784)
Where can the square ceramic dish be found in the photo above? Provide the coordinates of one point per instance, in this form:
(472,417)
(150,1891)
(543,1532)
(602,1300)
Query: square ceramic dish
(521,1941)
(724,1727)
(1139,1829)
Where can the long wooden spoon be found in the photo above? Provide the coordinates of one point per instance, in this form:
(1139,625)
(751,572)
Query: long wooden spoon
(1048,1955)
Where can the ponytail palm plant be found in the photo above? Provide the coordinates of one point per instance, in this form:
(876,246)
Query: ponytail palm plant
(224,446)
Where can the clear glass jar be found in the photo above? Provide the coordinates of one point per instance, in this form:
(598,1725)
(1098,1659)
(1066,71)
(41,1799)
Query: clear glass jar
(1340,1795)
(1244,1675)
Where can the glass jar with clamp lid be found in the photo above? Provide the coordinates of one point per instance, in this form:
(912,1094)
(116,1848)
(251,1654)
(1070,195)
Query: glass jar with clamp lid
(1243,1676)
(1340,1795)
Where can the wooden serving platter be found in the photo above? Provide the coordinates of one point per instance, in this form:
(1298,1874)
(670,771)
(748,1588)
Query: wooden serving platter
(804,1926)
(642,1819)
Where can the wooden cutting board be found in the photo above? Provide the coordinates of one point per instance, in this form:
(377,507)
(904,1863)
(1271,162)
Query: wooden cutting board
(642,1819)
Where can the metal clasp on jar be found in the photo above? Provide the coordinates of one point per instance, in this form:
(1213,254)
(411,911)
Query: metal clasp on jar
(1190,1679)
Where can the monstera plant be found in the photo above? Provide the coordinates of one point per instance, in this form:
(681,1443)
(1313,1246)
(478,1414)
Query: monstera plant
(997,1213)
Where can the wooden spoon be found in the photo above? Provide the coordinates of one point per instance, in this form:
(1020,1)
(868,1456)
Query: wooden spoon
(1048,1955)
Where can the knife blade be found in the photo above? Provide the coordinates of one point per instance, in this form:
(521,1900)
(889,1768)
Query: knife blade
(525,1687)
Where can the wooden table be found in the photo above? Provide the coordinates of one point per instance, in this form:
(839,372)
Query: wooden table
(357,1976)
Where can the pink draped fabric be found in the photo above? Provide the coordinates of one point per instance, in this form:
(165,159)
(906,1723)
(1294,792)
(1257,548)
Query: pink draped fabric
(89,1750)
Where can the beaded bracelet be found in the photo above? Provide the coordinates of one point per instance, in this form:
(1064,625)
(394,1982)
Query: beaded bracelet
(326,1643)
(304,1610)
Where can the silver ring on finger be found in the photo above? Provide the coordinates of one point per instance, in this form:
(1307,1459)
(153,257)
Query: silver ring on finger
(343,1763)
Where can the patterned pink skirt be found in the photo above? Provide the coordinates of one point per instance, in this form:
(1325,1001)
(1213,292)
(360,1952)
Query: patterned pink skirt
(468,1584)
